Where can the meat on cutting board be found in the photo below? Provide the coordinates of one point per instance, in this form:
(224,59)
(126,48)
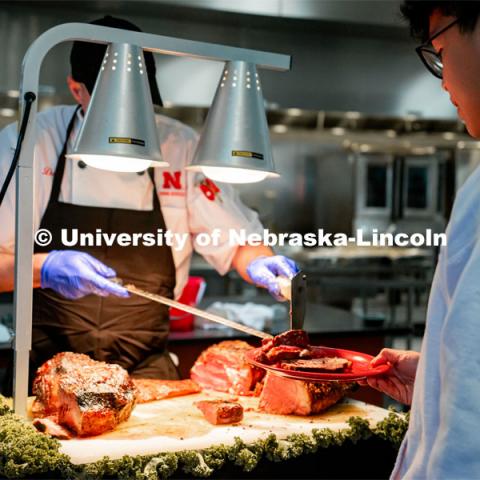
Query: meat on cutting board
(149,390)
(285,396)
(85,396)
(220,412)
(51,427)
(223,367)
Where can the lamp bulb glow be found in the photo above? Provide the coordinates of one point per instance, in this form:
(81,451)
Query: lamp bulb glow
(234,175)
(114,163)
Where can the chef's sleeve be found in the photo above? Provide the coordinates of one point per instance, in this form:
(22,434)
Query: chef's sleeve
(7,209)
(216,209)
(455,449)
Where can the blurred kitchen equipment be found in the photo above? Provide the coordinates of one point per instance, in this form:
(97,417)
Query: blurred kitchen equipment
(400,191)
(295,291)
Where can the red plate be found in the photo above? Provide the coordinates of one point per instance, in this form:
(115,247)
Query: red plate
(359,369)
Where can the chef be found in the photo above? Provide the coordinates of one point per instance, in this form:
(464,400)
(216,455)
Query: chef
(76,306)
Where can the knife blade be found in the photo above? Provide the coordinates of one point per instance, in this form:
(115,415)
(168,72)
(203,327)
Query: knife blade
(195,311)
(295,290)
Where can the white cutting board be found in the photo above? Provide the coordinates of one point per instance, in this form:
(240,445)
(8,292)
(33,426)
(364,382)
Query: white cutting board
(176,424)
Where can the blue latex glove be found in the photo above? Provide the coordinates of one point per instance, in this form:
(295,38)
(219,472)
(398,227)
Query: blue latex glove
(76,274)
(263,271)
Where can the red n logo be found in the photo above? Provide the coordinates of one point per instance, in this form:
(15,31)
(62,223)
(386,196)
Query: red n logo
(174,180)
(209,189)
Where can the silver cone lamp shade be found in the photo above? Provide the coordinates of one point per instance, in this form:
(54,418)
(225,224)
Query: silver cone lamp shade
(235,144)
(119,131)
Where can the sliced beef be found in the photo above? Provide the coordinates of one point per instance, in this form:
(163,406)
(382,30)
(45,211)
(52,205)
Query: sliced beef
(284,396)
(324,364)
(50,426)
(85,396)
(223,367)
(282,352)
(149,390)
(295,338)
(220,412)
(291,344)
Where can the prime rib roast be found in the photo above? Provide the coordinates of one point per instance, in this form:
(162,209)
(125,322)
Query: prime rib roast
(82,395)
(223,367)
(78,396)
(221,412)
(285,396)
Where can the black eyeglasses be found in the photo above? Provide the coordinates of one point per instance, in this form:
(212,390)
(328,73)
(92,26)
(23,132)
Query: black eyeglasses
(429,56)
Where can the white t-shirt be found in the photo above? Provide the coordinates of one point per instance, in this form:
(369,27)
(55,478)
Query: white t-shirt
(187,206)
(443,439)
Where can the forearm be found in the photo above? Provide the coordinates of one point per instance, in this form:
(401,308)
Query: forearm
(7,270)
(245,254)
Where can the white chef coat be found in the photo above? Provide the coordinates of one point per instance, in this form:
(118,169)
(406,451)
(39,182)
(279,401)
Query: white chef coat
(186,207)
(443,438)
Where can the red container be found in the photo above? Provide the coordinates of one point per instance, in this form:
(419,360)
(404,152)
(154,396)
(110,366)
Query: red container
(192,294)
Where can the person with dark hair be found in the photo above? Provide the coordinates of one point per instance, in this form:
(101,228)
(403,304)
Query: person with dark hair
(76,305)
(442,383)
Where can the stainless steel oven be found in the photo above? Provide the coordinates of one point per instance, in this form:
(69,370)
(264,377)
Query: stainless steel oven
(403,193)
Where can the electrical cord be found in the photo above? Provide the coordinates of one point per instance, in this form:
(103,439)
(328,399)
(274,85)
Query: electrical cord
(29,98)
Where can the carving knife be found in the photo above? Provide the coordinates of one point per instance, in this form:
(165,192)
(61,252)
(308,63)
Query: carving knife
(295,290)
(195,311)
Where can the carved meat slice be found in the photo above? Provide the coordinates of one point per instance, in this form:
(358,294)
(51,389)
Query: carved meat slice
(85,396)
(220,412)
(324,364)
(294,338)
(149,390)
(223,367)
(285,396)
(50,426)
(291,344)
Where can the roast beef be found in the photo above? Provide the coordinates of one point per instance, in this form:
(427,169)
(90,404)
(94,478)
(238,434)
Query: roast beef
(322,364)
(82,395)
(291,344)
(220,412)
(223,367)
(149,390)
(284,396)
(50,426)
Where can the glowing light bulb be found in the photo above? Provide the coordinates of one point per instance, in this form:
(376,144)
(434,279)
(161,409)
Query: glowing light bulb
(234,175)
(113,163)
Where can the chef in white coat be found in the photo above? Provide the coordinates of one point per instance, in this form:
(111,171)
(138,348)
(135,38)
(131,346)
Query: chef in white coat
(76,306)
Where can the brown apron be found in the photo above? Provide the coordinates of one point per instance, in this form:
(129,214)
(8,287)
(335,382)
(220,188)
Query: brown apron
(131,332)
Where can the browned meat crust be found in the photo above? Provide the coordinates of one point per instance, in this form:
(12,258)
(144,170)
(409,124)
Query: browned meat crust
(85,396)
(285,396)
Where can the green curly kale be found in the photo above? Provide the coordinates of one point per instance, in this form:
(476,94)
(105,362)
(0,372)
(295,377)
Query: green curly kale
(393,428)
(245,456)
(193,463)
(4,406)
(24,452)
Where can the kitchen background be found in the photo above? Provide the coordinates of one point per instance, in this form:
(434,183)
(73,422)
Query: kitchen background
(363,136)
